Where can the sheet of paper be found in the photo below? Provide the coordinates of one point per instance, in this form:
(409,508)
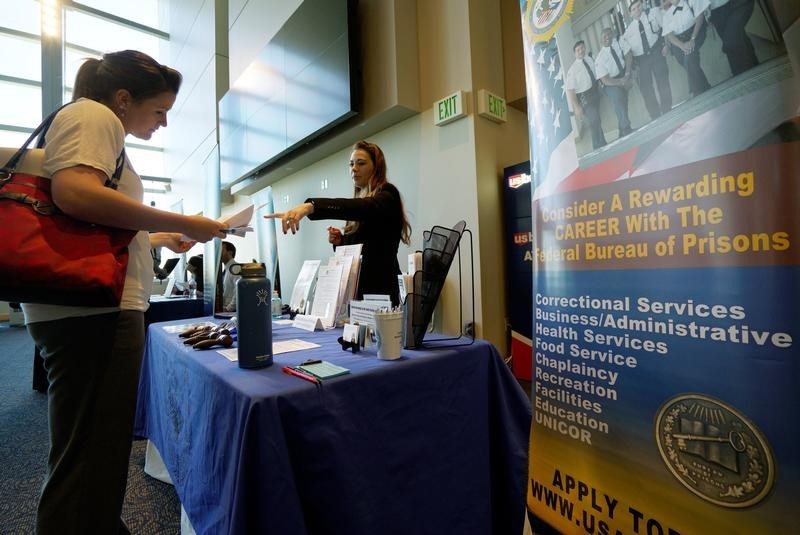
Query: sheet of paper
(230,354)
(238,223)
(326,296)
(241,218)
(295,344)
(282,322)
(282,346)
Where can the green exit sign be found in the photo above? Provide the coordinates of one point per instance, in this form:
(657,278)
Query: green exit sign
(491,106)
(449,109)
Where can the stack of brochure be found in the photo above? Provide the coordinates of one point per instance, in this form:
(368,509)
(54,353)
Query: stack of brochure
(302,291)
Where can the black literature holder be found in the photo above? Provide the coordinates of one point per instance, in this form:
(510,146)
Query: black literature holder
(440,245)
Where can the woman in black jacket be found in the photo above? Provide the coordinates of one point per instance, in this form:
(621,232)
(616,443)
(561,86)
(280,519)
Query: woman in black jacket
(375,218)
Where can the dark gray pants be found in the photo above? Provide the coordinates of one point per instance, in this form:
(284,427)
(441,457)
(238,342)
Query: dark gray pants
(698,83)
(92,367)
(654,66)
(730,20)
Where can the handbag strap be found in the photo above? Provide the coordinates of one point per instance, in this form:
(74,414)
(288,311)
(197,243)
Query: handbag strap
(113,181)
(11,166)
(39,132)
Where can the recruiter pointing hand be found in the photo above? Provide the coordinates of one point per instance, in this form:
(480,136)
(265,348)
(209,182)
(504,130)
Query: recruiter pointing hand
(290,220)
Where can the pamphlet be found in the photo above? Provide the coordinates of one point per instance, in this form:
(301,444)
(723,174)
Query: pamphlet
(303,285)
(347,286)
(326,296)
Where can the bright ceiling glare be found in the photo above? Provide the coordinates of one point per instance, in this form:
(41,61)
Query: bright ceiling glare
(50,18)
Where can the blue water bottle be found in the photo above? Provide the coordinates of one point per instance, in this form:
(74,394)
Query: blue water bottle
(253,315)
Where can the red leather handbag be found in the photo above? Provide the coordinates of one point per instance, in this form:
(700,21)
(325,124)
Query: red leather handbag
(47,256)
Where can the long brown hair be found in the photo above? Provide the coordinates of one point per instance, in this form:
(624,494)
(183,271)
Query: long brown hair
(374,185)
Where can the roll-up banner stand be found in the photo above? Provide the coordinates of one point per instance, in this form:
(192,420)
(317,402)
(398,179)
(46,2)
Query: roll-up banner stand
(665,164)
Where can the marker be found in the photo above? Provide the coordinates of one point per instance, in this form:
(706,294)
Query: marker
(301,375)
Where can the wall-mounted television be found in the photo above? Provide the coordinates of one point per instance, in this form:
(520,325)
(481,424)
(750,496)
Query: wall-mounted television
(302,84)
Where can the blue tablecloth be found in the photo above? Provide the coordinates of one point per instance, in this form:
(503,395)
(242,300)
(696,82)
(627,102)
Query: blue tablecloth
(174,308)
(433,443)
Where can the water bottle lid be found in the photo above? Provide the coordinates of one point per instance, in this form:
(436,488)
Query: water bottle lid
(254,269)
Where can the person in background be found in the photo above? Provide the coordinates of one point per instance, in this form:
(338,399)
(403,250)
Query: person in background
(730,17)
(158,271)
(375,218)
(684,27)
(227,257)
(583,92)
(155,252)
(616,79)
(92,355)
(194,270)
(645,51)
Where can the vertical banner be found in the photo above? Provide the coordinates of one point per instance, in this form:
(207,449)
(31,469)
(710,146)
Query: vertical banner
(665,157)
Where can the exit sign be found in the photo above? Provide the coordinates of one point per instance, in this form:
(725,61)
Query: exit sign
(491,106)
(449,109)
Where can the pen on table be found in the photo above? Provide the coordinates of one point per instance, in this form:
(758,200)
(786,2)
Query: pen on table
(301,375)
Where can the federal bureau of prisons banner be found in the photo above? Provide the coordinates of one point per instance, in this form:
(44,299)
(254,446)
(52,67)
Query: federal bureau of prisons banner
(665,144)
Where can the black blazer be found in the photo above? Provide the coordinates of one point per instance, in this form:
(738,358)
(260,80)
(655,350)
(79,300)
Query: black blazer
(379,231)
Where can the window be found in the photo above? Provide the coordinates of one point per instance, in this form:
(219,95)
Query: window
(20,70)
(151,13)
(90,28)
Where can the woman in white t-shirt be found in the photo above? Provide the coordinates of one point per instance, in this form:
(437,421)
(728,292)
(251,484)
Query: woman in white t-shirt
(93,355)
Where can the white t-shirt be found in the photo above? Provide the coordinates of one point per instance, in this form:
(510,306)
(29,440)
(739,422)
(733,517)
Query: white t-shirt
(88,133)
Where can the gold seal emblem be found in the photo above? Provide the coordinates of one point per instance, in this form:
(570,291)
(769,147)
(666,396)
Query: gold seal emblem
(543,17)
(714,450)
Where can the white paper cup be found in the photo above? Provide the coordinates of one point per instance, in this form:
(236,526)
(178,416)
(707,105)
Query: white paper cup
(390,334)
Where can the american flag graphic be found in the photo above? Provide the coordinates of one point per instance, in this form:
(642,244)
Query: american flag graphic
(550,128)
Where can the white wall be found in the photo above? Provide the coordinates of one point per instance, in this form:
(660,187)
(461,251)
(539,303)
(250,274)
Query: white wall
(445,174)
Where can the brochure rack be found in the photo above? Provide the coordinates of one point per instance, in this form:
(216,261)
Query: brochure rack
(440,245)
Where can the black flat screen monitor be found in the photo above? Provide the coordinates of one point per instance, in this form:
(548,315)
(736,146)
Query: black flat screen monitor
(301,85)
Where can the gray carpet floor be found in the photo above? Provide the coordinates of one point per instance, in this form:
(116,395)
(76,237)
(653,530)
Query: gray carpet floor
(151,507)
